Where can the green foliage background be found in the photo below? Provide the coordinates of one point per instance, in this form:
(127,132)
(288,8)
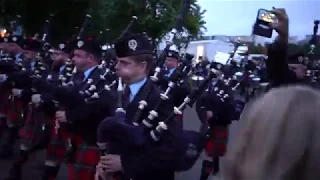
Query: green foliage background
(155,17)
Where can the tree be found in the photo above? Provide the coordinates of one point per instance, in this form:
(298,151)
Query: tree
(256,49)
(68,14)
(155,17)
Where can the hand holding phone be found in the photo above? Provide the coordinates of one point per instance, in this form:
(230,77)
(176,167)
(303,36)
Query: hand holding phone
(282,25)
(262,24)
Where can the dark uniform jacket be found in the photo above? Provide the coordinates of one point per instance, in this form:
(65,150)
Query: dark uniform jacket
(155,161)
(210,101)
(83,117)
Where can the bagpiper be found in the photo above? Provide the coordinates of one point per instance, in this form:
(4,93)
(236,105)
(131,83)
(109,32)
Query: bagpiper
(10,108)
(36,124)
(216,108)
(82,119)
(140,96)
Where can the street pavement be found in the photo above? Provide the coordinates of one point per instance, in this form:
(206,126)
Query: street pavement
(34,166)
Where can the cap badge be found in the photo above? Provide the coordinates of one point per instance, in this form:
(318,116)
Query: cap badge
(219,66)
(104,47)
(5,39)
(14,39)
(62,46)
(80,44)
(133,44)
(169,54)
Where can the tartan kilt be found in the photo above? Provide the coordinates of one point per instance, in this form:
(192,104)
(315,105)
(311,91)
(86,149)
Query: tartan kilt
(14,112)
(218,141)
(56,149)
(86,159)
(37,127)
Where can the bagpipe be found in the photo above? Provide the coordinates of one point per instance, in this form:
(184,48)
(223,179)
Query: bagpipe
(63,89)
(145,134)
(170,37)
(26,73)
(91,94)
(116,129)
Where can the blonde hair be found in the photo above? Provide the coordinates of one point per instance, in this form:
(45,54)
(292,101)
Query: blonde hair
(278,138)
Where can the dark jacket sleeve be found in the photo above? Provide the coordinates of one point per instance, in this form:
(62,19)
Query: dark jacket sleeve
(26,95)
(87,115)
(158,156)
(48,105)
(277,66)
(180,92)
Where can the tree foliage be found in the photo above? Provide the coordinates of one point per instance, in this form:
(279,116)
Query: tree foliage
(155,17)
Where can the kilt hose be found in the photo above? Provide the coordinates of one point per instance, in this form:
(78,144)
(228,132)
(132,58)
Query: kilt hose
(86,158)
(14,112)
(218,141)
(36,129)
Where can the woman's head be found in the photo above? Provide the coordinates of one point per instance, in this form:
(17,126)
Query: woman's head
(277,138)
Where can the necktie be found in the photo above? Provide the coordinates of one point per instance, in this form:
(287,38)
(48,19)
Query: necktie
(79,77)
(126,95)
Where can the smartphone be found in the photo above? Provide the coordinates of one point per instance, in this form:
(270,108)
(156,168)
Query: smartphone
(263,19)
(267,16)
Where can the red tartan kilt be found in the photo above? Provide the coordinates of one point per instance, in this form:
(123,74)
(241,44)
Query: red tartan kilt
(14,112)
(218,142)
(86,159)
(56,149)
(37,128)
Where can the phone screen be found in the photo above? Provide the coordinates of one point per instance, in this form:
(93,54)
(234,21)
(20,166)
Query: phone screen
(267,16)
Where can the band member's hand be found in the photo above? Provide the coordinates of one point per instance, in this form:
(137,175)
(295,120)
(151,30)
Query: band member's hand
(111,163)
(3,77)
(56,126)
(209,114)
(282,27)
(36,98)
(16,92)
(61,116)
(101,174)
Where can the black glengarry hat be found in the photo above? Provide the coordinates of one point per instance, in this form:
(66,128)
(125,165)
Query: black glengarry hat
(88,45)
(131,45)
(66,46)
(173,54)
